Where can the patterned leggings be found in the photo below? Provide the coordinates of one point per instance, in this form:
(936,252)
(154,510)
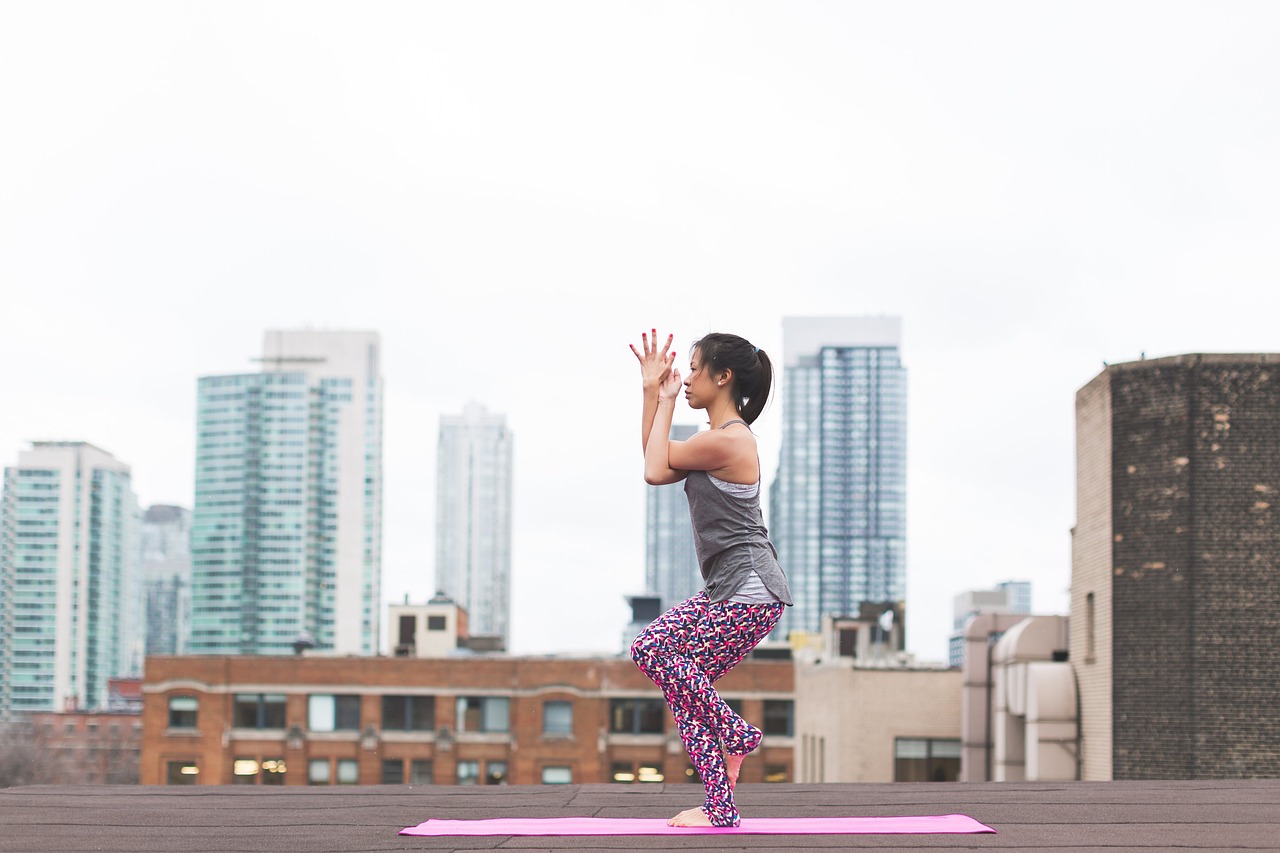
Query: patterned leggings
(684,651)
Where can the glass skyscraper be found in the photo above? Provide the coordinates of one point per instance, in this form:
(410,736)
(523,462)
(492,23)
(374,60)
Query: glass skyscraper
(165,564)
(670,560)
(838,503)
(70,599)
(287,529)
(473,518)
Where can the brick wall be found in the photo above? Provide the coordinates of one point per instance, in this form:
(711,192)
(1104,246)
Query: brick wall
(1195,475)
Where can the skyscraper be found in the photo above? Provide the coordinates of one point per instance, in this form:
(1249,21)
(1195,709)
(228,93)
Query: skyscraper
(165,566)
(70,602)
(287,528)
(838,503)
(473,517)
(671,562)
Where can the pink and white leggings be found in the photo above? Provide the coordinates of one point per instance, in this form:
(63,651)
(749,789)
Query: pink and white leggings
(686,650)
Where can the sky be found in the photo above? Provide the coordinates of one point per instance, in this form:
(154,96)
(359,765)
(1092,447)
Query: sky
(510,192)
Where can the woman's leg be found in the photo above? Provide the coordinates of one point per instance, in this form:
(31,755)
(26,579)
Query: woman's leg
(684,651)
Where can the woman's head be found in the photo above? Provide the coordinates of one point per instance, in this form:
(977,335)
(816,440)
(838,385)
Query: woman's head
(747,370)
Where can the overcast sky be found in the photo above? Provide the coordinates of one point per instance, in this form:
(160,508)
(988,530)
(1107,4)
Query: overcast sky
(511,192)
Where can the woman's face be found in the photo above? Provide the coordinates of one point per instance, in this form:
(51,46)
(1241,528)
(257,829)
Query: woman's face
(700,386)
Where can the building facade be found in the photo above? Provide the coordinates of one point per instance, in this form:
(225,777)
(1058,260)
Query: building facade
(70,597)
(473,518)
(471,719)
(287,530)
(670,560)
(165,565)
(1175,552)
(838,503)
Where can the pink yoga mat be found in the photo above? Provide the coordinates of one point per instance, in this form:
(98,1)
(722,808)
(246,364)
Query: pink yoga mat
(931,824)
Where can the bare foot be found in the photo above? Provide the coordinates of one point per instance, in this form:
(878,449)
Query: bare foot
(733,766)
(690,817)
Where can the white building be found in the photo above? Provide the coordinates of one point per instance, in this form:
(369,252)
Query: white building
(473,518)
(70,597)
(287,529)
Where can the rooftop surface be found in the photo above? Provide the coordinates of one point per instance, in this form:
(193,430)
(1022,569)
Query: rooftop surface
(1116,816)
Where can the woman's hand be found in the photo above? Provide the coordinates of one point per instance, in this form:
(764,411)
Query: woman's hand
(670,385)
(655,366)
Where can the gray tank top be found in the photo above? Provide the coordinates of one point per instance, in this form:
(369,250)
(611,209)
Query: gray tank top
(731,539)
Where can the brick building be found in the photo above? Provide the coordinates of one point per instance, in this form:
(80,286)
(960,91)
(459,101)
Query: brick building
(1175,594)
(219,720)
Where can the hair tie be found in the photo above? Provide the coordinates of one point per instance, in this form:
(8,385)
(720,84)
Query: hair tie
(757,349)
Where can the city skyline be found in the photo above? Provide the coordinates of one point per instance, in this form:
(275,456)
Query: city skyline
(434,172)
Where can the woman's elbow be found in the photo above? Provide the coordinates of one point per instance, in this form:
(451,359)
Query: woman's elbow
(653,478)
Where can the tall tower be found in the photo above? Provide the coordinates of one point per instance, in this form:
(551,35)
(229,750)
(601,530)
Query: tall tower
(1175,569)
(287,529)
(838,504)
(70,601)
(670,559)
(473,517)
(165,565)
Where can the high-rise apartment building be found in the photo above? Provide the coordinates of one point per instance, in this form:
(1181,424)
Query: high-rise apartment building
(70,601)
(670,559)
(165,565)
(838,504)
(1174,582)
(473,517)
(286,535)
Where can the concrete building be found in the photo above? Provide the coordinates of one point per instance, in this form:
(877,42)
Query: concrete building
(838,503)
(477,719)
(1005,597)
(432,630)
(287,528)
(1019,707)
(670,559)
(1175,588)
(865,712)
(165,566)
(70,598)
(473,518)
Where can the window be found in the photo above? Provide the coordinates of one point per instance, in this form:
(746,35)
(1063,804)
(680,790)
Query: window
(636,716)
(273,770)
(436,623)
(259,711)
(408,713)
(420,772)
(468,773)
(483,714)
(348,771)
(495,773)
(778,717)
(318,771)
(392,772)
(182,773)
(182,712)
(776,773)
(625,771)
(926,760)
(1090,627)
(244,771)
(557,718)
(333,713)
(557,776)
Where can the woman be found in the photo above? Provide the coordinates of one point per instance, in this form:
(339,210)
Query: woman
(694,643)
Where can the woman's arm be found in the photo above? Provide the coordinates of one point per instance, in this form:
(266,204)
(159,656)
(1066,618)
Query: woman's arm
(654,366)
(657,469)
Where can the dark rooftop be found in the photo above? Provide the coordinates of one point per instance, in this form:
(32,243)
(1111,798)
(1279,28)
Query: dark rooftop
(1117,816)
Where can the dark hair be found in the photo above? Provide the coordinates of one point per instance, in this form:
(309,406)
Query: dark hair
(752,370)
